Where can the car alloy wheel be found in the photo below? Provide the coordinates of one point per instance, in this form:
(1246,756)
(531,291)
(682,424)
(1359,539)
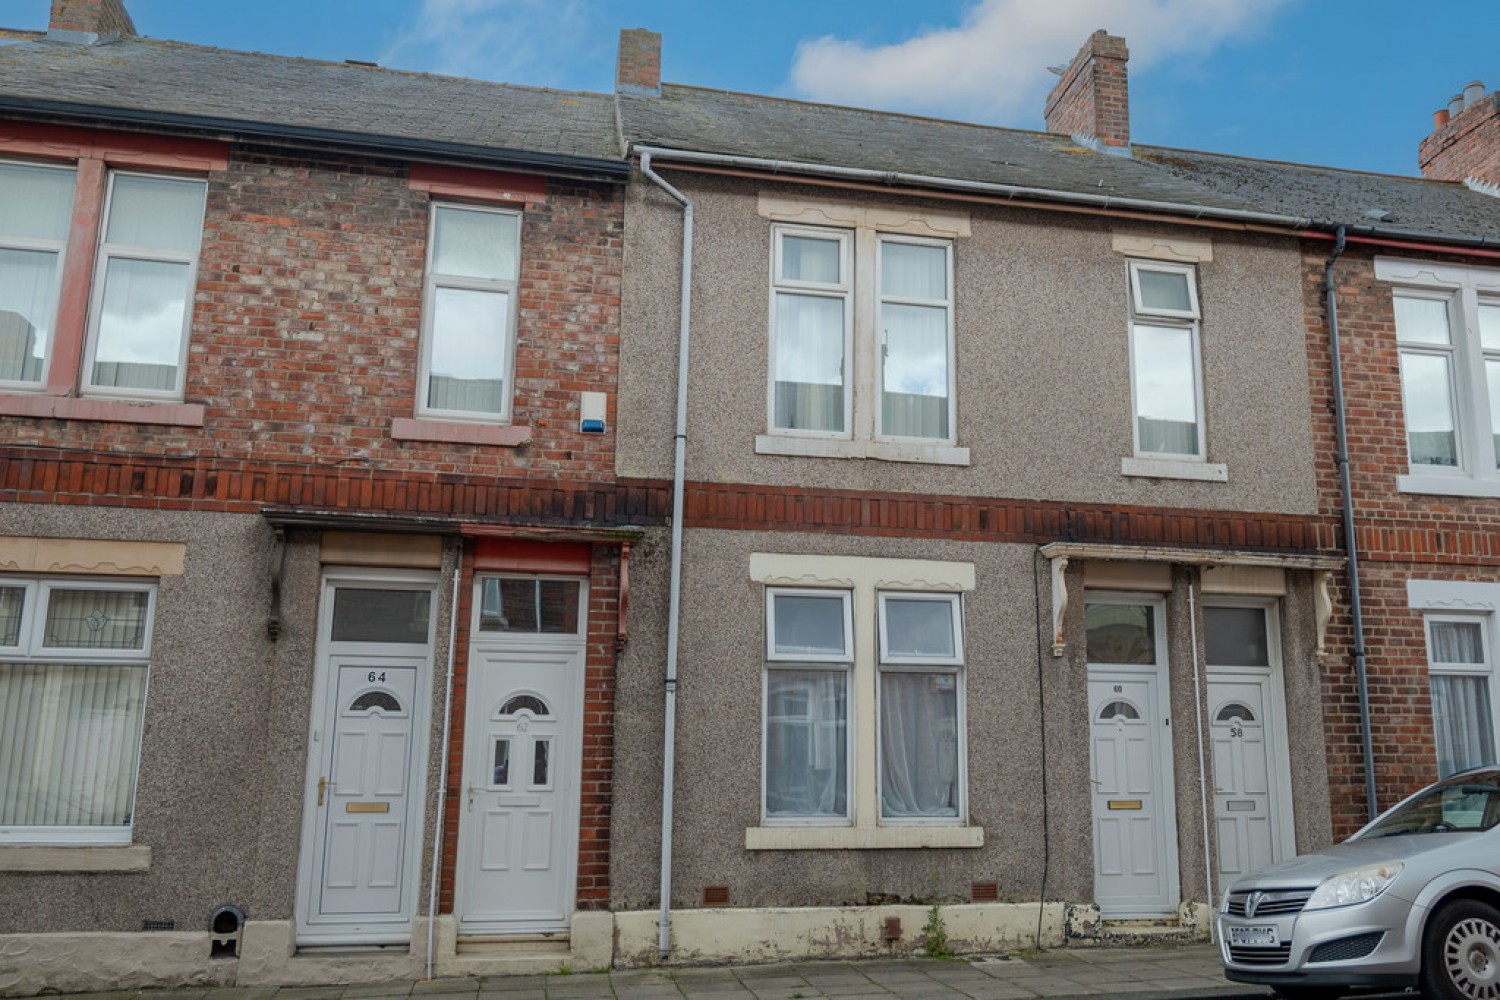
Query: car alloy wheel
(1462,959)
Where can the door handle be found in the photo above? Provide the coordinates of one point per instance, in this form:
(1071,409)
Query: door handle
(323,785)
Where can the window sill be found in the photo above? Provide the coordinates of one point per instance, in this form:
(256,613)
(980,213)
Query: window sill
(1167,468)
(882,451)
(74,858)
(119,411)
(856,838)
(1448,486)
(458,432)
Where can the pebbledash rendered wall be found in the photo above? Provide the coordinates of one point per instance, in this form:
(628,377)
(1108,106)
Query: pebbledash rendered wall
(1401,536)
(1043,405)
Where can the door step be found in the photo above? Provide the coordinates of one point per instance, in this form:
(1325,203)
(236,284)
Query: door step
(1146,932)
(510,955)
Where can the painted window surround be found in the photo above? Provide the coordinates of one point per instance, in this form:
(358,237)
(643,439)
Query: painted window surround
(95,558)
(1150,248)
(458,185)
(867,223)
(94,153)
(1476,475)
(1457,600)
(865,577)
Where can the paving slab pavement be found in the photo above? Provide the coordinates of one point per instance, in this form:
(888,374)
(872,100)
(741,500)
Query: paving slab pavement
(1164,973)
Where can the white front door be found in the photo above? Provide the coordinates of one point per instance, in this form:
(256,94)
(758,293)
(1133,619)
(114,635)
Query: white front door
(361,832)
(1135,846)
(518,831)
(1252,782)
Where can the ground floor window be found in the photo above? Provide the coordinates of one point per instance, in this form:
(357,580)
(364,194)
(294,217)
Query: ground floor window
(73,665)
(1460,677)
(820,679)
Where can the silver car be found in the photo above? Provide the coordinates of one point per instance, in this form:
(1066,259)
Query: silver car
(1413,899)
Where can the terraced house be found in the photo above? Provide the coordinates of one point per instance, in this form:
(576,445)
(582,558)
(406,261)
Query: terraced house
(452,528)
(313,553)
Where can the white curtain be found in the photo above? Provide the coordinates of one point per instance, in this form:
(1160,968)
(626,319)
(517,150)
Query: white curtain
(27,278)
(918,744)
(807,743)
(809,362)
(1462,729)
(69,739)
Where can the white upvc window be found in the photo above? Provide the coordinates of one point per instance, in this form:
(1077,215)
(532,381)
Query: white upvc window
(73,666)
(806,750)
(921,710)
(145,273)
(1166,378)
(36,205)
(1461,679)
(1447,320)
(862,345)
(469,314)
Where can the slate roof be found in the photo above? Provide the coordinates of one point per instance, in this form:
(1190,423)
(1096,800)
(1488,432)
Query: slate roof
(148,76)
(693,118)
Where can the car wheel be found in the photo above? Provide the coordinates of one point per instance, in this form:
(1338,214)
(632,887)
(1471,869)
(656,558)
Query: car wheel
(1307,992)
(1461,952)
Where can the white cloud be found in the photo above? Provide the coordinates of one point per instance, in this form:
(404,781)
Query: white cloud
(519,41)
(993,66)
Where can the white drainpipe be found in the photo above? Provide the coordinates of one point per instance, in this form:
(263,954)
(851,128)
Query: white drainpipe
(437,824)
(679,462)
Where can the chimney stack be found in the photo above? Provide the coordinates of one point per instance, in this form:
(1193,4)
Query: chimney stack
(1092,100)
(1467,145)
(89,22)
(638,66)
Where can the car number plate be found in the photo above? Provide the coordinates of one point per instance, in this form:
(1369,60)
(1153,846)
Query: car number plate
(1253,937)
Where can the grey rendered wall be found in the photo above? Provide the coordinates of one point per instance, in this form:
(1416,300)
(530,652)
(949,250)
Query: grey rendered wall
(1043,370)
(719,748)
(224,750)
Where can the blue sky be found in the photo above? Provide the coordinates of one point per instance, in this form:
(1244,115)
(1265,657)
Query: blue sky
(1347,83)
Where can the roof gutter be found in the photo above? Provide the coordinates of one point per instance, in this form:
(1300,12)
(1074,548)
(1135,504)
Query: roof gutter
(580,167)
(1008,191)
(1305,225)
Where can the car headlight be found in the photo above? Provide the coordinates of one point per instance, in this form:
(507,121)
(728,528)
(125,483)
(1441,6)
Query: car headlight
(1355,886)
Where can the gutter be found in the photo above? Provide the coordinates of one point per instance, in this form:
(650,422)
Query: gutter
(679,467)
(578,167)
(1356,609)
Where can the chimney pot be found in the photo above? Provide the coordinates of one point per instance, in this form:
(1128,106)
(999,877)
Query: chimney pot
(1440,118)
(638,64)
(89,22)
(1473,92)
(1455,105)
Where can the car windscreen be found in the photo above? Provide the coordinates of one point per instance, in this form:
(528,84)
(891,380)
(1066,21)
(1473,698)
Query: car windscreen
(1449,807)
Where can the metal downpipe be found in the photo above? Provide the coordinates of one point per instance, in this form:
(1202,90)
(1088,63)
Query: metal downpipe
(679,463)
(1356,609)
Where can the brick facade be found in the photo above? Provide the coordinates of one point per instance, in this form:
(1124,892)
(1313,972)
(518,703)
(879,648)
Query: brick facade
(1093,96)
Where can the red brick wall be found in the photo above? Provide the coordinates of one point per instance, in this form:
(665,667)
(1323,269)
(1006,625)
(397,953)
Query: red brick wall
(99,17)
(307,319)
(1399,537)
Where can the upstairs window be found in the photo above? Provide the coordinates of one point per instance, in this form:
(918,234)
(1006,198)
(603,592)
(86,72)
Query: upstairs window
(1447,321)
(813,329)
(146,269)
(36,204)
(1165,369)
(469,314)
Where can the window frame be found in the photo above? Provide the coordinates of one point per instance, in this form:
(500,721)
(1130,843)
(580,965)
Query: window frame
(104,252)
(882,240)
(1189,320)
(819,663)
(954,667)
(1465,288)
(432,282)
(1484,669)
(843,291)
(59,246)
(501,635)
(30,648)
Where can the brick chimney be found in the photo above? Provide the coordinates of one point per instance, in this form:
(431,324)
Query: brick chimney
(1093,97)
(89,22)
(638,66)
(1465,139)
